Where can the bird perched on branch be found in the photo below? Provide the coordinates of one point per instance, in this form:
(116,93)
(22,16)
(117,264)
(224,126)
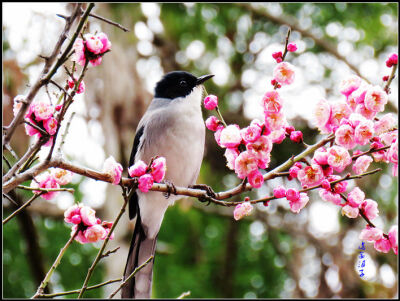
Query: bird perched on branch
(172,127)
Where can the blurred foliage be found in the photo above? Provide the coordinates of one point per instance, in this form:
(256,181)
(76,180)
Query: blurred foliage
(210,254)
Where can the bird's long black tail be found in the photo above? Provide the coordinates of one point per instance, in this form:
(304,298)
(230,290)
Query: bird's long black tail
(140,250)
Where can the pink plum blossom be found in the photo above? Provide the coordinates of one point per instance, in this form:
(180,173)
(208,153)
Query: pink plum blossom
(294,171)
(211,102)
(350,84)
(393,152)
(71,85)
(356,197)
(375,99)
(292,47)
(138,169)
(321,156)
(79,52)
(389,137)
(45,180)
(292,194)
(311,175)
(113,168)
(362,163)
(300,203)
(261,148)
(93,43)
(231,154)
(392,60)
(42,110)
(370,208)
(369,114)
(393,238)
(370,234)
(272,102)
(145,182)
(277,136)
(105,41)
(242,210)
(88,216)
(338,158)
(158,169)
(382,245)
(212,123)
(340,110)
(349,211)
(284,73)
(364,132)
(279,192)
(275,121)
(80,237)
(256,179)
(107,226)
(95,233)
(230,136)
(245,163)
(296,136)
(386,123)
(277,56)
(73,215)
(344,136)
(250,133)
(62,176)
(50,125)
(217,134)
(330,196)
(30,130)
(322,114)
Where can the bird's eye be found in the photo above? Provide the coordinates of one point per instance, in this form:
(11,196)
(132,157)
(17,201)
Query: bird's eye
(182,83)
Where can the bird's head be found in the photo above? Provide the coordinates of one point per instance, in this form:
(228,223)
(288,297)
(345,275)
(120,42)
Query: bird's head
(178,84)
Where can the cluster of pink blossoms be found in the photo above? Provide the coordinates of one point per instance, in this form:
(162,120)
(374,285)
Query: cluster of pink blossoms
(249,149)
(90,228)
(41,114)
(52,179)
(148,174)
(382,243)
(92,48)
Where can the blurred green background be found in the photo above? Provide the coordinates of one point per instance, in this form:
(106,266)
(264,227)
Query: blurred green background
(271,254)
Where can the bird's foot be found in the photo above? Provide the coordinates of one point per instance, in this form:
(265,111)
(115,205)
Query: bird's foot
(210,192)
(171,189)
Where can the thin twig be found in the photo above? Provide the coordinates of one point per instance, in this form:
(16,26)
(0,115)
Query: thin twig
(71,190)
(78,290)
(392,75)
(54,266)
(109,22)
(64,135)
(100,253)
(130,276)
(10,199)
(34,197)
(110,252)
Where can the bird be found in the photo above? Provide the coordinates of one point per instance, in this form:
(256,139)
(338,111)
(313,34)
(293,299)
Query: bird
(173,128)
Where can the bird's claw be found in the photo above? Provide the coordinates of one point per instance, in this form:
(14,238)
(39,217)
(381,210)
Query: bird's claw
(208,189)
(171,189)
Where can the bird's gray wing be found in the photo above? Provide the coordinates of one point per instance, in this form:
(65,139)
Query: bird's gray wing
(133,201)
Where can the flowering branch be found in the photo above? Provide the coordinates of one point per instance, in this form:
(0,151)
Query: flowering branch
(109,22)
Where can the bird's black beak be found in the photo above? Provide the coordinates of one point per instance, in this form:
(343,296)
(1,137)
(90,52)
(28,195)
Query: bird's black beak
(203,78)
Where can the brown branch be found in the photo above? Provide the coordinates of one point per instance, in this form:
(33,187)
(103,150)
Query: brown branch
(34,197)
(109,22)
